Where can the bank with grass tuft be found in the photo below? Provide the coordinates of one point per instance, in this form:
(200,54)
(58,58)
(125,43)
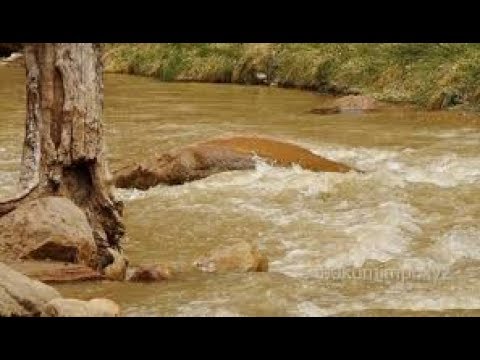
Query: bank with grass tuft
(431,75)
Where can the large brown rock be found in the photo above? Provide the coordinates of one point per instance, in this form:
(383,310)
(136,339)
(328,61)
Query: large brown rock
(350,103)
(51,228)
(150,273)
(239,257)
(218,155)
(22,296)
(183,165)
(277,153)
(78,308)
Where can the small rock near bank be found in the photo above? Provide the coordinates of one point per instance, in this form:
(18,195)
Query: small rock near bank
(150,273)
(78,308)
(350,103)
(239,257)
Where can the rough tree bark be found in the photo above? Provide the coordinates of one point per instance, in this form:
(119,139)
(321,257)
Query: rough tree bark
(63,152)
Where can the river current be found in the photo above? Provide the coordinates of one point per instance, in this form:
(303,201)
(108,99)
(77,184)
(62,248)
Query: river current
(403,238)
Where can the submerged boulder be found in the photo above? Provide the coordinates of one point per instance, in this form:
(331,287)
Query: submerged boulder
(350,103)
(49,228)
(218,155)
(240,257)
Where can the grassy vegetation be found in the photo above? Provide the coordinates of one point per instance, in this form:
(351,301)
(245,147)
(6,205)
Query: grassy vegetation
(416,73)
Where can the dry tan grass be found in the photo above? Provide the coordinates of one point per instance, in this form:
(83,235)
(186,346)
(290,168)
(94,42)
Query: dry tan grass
(393,72)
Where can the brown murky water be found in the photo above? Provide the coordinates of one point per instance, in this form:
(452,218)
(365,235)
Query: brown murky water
(401,239)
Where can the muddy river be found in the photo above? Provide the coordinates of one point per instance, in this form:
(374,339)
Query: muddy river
(403,238)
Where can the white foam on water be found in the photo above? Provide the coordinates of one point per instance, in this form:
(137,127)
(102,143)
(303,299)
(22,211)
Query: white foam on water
(399,296)
(206,308)
(377,233)
(385,235)
(426,265)
(448,134)
(229,179)
(265,180)
(365,221)
(309,309)
(405,297)
(315,234)
(367,159)
(444,170)
(456,244)
(130,194)
(8,183)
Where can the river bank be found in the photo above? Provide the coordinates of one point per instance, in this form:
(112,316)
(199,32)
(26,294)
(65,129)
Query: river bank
(433,76)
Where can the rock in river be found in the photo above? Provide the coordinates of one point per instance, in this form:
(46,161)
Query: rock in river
(239,257)
(217,155)
(78,308)
(351,103)
(22,296)
(150,273)
(49,228)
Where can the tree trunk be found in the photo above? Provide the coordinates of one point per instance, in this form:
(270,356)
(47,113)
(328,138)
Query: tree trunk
(63,153)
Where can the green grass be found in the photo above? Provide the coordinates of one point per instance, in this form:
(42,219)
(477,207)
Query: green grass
(416,73)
